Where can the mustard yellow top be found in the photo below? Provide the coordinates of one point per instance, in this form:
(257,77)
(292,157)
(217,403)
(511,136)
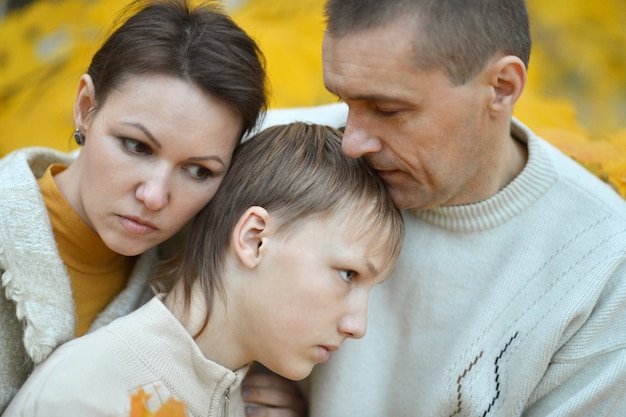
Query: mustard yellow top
(97,273)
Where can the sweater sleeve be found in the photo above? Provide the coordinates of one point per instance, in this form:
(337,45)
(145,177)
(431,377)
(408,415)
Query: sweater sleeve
(587,376)
(51,391)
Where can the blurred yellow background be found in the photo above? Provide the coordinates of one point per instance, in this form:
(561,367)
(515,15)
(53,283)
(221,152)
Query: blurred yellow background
(575,96)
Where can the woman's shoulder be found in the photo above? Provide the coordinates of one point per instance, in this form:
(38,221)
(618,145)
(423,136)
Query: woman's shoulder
(36,159)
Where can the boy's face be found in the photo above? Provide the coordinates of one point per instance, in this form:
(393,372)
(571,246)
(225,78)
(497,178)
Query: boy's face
(310,293)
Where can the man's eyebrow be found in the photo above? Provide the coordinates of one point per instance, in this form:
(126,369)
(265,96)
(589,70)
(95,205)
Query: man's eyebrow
(380,98)
(367,97)
(145,131)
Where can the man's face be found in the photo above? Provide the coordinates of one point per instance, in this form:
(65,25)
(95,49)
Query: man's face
(428,139)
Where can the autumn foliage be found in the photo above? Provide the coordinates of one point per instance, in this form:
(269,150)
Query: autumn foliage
(575,96)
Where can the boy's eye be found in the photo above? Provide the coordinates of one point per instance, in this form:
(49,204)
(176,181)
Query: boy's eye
(198,172)
(136,147)
(347,275)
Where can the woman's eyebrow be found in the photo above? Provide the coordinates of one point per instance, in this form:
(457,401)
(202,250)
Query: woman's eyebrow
(145,131)
(158,144)
(207,158)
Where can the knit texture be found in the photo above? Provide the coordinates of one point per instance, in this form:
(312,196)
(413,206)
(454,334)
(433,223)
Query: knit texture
(148,349)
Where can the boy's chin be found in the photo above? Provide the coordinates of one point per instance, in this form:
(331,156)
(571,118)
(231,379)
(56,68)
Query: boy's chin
(294,374)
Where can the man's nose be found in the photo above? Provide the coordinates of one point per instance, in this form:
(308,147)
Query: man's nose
(357,138)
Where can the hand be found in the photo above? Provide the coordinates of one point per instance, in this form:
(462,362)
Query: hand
(269,395)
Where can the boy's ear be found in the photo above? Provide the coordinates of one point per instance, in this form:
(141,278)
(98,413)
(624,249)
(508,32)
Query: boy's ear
(85,102)
(249,236)
(507,76)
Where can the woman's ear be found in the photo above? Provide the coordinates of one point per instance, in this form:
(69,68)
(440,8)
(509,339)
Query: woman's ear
(85,102)
(249,236)
(507,76)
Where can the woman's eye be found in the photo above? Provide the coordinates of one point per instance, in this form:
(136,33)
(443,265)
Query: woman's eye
(136,147)
(347,275)
(198,172)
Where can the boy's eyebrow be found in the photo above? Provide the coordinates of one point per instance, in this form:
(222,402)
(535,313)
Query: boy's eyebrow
(371,267)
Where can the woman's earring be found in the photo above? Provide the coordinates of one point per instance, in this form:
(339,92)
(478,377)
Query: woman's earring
(79,138)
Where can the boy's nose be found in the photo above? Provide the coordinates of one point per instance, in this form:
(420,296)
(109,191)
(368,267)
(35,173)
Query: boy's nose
(354,324)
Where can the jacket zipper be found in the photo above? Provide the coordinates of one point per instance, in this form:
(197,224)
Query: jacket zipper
(226,402)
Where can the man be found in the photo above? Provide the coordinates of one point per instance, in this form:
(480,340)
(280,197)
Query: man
(509,298)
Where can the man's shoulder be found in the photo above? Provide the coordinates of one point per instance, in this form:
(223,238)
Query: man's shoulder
(573,182)
(582,186)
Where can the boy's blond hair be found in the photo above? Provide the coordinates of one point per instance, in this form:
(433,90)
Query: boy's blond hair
(293,171)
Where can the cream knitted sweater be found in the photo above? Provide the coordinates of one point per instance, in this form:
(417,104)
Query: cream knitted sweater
(514,306)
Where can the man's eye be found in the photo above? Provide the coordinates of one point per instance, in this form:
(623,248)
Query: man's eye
(347,275)
(198,172)
(136,147)
(386,113)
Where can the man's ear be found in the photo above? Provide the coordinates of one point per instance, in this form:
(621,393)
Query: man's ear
(85,102)
(250,234)
(507,76)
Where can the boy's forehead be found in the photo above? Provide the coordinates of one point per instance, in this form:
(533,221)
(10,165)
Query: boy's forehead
(355,231)
(374,235)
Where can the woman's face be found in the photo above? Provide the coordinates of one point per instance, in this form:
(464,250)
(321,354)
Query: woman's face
(155,153)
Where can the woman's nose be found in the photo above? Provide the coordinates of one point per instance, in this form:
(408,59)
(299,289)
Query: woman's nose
(154,192)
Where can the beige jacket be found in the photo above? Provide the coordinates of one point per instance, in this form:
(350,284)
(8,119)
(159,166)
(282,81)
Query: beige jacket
(96,375)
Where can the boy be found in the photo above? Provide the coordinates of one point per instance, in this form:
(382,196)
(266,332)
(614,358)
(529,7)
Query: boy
(277,270)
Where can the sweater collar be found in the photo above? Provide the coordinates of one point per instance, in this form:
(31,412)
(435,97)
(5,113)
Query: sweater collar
(535,179)
(162,343)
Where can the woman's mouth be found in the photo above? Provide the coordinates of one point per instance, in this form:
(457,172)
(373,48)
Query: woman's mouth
(137,226)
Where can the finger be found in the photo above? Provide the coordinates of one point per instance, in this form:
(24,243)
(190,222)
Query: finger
(268,394)
(260,411)
(272,397)
(272,381)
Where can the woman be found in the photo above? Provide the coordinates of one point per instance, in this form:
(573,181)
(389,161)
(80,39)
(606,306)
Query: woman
(159,113)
